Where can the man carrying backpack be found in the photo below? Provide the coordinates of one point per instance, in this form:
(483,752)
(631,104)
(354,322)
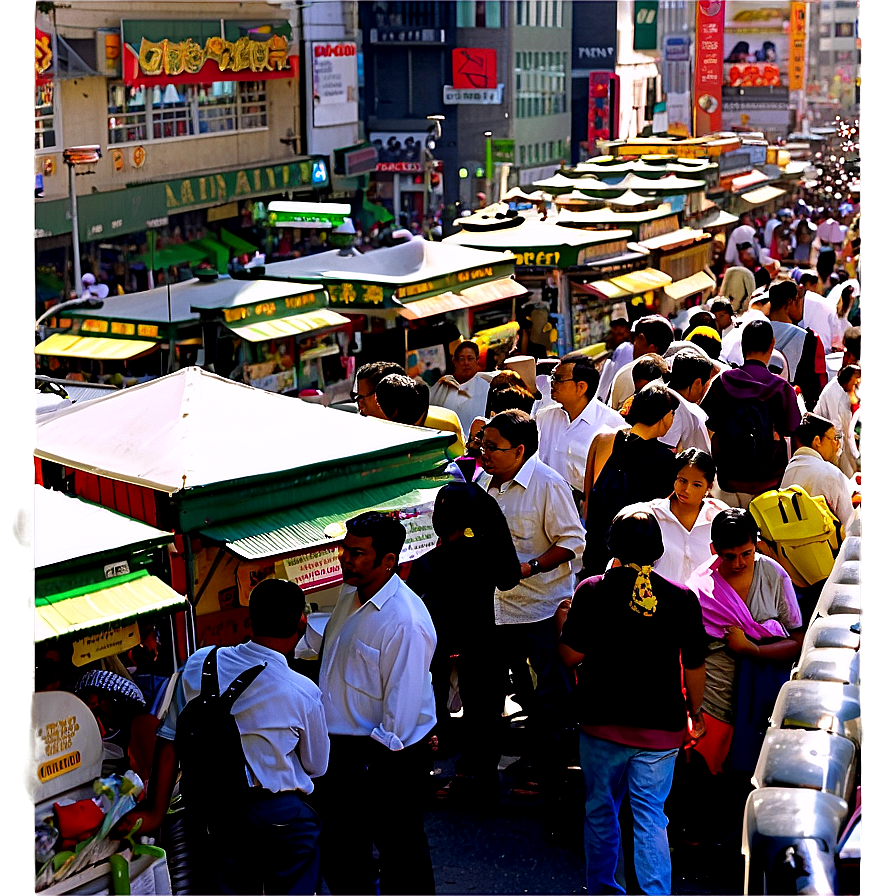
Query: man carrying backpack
(245,792)
(749,412)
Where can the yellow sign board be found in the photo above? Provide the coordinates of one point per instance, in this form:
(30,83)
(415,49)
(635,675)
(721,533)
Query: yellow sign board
(797,45)
(174,58)
(108,643)
(59,766)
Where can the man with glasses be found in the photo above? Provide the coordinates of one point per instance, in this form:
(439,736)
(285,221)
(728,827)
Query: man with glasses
(464,392)
(548,535)
(367,379)
(813,465)
(567,429)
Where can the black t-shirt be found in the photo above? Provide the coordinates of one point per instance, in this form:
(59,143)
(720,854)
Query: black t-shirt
(631,674)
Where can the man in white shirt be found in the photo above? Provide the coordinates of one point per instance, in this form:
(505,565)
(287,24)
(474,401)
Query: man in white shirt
(464,392)
(283,732)
(380,708)
(689,378)
(835,404)
(548,535)
(818,313)
(566,431)
(653,333)
(723,311)
(812,465)
(621,336)
(745,232)
(831,231)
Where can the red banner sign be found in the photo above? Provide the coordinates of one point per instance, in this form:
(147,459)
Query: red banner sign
(708,67)
(474,68)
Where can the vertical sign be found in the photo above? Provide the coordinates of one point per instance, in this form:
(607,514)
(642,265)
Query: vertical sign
(797,45)
(708,67)
(645,24)
(603,107)
(334,78)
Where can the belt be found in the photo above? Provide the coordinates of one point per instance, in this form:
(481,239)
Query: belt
(262,793)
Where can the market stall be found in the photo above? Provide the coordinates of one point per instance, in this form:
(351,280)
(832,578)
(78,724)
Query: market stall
(684,255)
(186,453)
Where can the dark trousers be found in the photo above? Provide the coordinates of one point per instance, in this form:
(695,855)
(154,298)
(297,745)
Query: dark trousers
(373,796)
(548,702)
(273,846)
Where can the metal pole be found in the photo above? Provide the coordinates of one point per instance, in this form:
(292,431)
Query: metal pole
(488,167)
(76,244)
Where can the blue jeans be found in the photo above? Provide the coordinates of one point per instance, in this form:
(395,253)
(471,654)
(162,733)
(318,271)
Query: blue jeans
(609,770)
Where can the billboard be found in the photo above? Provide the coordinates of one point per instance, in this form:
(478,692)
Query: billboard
(334,77)
(757,43)
(708,66)
(398,151)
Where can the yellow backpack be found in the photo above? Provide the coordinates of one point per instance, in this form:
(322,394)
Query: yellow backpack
(800,529)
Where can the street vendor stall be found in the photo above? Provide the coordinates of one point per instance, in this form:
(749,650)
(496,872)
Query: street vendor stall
(186,453)
(547,255)
(684,255)
(412,302)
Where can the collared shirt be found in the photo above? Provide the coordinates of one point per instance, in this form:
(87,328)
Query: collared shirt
(819,477)
(467,400)
(621,356)
(280,715)
(821,316)
(688,429)
(541,513)
(374,673)
(623,386)
(684,551)
(563,444)
(543,384)
(835,404)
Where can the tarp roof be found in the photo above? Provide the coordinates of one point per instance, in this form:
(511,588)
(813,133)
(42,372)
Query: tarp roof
(535,234)
(560,182)
(611,216)
(683,236)
(407,262)
(629,198)
(67,528)
(192,428)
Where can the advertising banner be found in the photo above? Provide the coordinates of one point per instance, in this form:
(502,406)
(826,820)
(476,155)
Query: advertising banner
(398,151)
(797,46)
(677,83)
(474,68)
(757,43)
(334,75)
(708,67)
(645,24)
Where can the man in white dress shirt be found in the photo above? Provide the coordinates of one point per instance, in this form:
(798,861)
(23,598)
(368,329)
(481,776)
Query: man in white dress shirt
(689,378)
(621,335)
(654,334)
(464,392)
(273,846)
(548,534)
(380,708)
(813,465)
(818,312)
(566,431)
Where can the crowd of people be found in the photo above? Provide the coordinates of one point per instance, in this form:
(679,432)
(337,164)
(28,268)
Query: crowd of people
(598,565)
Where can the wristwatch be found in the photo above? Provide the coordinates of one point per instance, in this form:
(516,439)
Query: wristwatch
(535,567)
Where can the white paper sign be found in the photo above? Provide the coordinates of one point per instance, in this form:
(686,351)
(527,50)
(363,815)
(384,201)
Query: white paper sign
(334,74)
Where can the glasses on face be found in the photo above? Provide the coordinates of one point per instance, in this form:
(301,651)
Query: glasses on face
(359,396)
(557,379)
(836,437)
(490,447)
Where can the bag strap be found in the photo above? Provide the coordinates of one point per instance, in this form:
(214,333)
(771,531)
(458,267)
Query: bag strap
(239,685)
(209,682)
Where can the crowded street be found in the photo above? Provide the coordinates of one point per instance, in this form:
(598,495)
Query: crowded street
(447,458)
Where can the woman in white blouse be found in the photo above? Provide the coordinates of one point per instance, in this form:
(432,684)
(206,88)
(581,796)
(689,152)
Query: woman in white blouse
(685,517)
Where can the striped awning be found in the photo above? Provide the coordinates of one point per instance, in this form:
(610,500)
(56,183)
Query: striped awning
(65,345)
(112,602)
(294,325)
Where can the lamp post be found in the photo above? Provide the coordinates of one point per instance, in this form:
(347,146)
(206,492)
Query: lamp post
(78,155)
(434,134)
(87,302)
(488,167)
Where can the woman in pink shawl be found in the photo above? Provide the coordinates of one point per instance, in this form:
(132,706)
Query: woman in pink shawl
(749,610)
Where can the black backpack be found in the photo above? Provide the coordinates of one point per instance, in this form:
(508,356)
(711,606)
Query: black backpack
(214,780)
(744,448)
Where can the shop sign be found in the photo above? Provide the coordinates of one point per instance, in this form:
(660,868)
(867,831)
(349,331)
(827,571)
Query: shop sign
(282,381)
(315,570)
(594,36)
(217,189)
(439,285)
(538,259)
(472,96)
(43,53)
(420,536)
(474,68)
(125,329)
(356,293)
(645,24)
(398,151)
(708,67)
(107,643)
(502,150)
(169,58)
(334,77)
(273,309)
(797,46)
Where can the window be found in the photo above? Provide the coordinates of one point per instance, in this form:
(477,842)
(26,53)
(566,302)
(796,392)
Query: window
(45,116)
(478,14)
(845,29)
(126,113)
(138,114)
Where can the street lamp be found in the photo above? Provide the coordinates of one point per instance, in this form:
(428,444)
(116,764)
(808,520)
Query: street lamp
(78,155)
(433,135)
(86,302)
(488,166)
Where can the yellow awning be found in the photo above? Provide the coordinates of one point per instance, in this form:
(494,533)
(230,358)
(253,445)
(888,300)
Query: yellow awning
(638,282)
(295,325)
(116,605)
(64,345)
(473,296)
(763,194)
(681,289)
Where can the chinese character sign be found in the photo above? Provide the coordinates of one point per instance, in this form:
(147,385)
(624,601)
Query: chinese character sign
(708,67)
(474,67)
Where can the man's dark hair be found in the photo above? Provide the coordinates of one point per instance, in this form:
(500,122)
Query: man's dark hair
(811,425)
(845,374)
(733,527)
(510,397)
(376,370)
(650,367)
(757,338)
(852,342)
(657,330)
(721,304)
(809,278)
(275,608)
(518,428)
(504,380)
(583,371)
(687,367)
(386,533)
(467,343)
(781,293)
(635,536)
(651,404)
(621,322)
(422,405)
(399,397)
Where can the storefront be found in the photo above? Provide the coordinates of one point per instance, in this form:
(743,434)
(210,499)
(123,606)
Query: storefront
(185,452)
(684,255)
